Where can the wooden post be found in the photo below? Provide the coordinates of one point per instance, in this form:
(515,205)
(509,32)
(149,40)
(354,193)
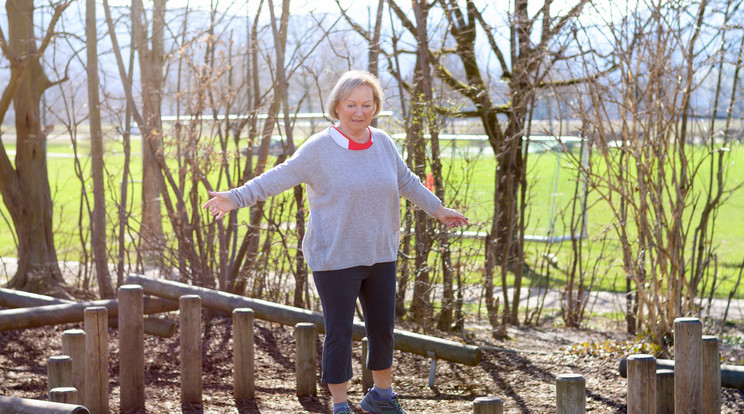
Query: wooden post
(570,392)
(488,405)
(641,384)
(367,380)
(96,364)
(73,345)
(432,368)
(305,366)
(664,391)
(59,372)
(244,387)
(131,348)
(191,352)
(711,376)
(688,366)
(66,395)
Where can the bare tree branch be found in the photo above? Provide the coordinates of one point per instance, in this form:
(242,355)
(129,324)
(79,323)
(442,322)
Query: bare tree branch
(506,73)
(549,33)
(12,57)
(6,167)
(359,29)
(402,17)
(58,9)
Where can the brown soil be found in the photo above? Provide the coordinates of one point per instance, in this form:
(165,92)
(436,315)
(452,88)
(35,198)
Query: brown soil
(521,371)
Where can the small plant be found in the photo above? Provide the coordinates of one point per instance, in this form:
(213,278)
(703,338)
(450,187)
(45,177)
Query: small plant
(615,349)
(732,338)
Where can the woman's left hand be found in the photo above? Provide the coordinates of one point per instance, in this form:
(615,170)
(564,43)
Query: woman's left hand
(451,218)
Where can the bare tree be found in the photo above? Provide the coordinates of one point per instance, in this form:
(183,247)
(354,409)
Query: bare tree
(24,184)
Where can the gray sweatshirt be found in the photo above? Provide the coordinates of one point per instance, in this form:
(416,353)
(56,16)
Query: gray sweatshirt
(354,198)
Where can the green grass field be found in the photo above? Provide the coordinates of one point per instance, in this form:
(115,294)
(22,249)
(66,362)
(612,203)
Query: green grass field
(470,183)
(552,181)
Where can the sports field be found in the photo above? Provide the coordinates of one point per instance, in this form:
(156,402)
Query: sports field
(469,174)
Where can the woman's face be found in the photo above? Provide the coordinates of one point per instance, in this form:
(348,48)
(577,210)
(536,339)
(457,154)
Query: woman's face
(355,112)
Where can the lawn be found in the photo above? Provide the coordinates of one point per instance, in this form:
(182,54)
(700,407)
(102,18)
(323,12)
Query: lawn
(469,171)
(552,179)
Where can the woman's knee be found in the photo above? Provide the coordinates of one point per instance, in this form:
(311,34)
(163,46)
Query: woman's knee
(339,333)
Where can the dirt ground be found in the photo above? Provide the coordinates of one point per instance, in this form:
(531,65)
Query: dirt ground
(521,370)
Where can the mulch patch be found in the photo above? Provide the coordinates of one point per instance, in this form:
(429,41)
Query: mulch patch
(521,370)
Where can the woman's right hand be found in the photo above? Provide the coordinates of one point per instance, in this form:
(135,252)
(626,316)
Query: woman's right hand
(219,204)
(451,218)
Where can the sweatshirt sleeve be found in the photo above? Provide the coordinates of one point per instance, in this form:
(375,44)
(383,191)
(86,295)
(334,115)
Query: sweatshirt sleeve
(411,187)
(272,182)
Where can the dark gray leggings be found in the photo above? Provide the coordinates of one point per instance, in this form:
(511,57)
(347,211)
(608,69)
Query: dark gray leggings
(338,290)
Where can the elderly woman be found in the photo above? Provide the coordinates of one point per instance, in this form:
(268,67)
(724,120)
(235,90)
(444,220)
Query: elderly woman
(355,178)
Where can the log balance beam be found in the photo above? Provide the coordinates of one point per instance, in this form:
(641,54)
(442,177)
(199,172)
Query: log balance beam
(288,315)
(34,310)
(17,405)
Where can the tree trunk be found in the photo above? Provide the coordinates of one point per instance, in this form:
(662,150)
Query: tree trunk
(123,213)
(374,46)
(421,11)
(25,189)
(405,244)
(98,240)
(421,308)
(151,61)
(280,42)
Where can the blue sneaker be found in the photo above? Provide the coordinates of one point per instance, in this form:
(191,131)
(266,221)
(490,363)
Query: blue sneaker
(343,411)
(376,405)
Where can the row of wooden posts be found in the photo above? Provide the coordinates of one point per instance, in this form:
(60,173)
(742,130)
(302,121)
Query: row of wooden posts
(80,376)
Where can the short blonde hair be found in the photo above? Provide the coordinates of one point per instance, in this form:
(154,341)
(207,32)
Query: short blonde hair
(347,83)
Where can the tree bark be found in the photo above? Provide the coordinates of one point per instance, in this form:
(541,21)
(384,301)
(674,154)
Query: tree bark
(151,59)
(25,188)
(280,44)
(374,46)
(98,239)
(421,308)
(421,11)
